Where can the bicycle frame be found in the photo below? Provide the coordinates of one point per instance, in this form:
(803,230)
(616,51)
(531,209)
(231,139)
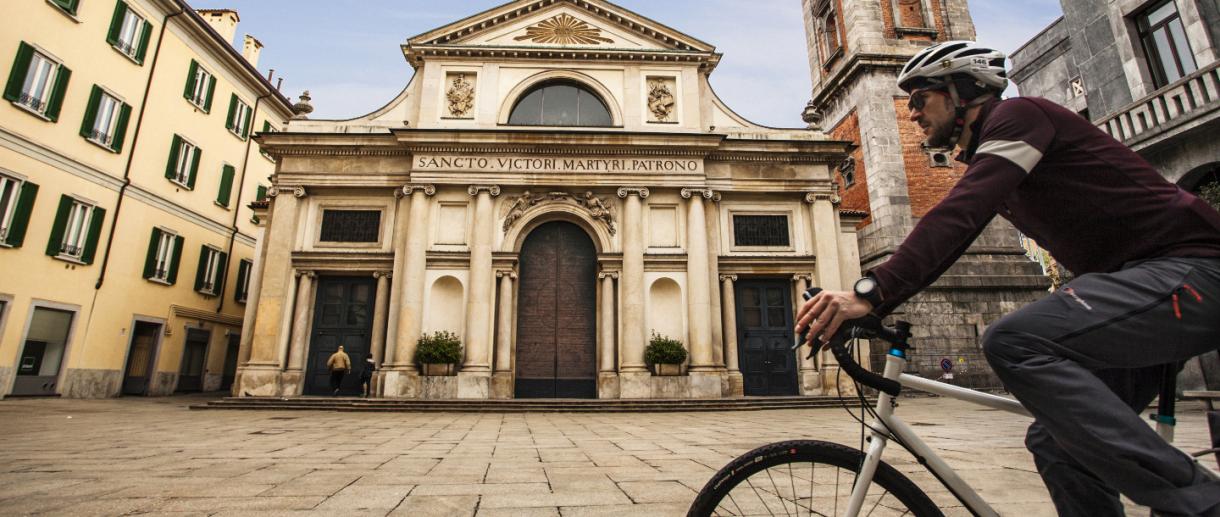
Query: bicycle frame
(886,422)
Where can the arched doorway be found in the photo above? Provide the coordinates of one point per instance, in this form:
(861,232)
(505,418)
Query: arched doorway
(556,311)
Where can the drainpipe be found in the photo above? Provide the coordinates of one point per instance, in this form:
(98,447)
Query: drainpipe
(131,153)
(245,163)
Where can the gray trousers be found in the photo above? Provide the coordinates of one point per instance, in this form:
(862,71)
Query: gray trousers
(1087,359)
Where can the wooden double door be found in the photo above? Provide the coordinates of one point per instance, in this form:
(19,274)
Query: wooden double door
(556,314)
(343,316)
(765,337)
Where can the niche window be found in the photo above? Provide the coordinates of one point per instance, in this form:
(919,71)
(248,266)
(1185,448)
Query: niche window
(560,103)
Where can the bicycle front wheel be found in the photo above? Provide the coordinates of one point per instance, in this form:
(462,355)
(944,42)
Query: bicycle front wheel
(806,477)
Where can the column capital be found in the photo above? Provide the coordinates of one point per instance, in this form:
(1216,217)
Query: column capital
(406,190)
(493,190)
(607,274)
(728,278)
(802,276)
(623,192)
(305,272)
(512,275)
(707,193)
(298,191)
(813,197)
(383,274)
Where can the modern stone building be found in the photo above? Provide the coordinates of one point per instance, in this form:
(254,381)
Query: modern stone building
(125,164)
(856,48)
(557,183)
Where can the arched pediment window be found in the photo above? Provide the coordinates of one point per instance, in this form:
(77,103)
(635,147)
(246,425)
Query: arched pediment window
(560,103)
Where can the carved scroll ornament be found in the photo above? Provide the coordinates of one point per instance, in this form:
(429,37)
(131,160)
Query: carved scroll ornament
(596,207)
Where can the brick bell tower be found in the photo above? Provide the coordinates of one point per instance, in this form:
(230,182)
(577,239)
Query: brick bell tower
(856,50)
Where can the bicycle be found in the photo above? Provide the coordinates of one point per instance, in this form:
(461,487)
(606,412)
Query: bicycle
(783,478)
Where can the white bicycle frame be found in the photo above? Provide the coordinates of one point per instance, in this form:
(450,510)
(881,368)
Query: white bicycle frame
(887,423)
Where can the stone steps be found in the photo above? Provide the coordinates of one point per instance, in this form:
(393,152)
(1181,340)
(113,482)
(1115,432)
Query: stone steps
(524,405)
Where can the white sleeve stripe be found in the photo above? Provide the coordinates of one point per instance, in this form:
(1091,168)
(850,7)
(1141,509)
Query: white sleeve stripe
(1015,151)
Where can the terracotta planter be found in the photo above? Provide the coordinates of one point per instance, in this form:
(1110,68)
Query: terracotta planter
(440,369)
(667,370)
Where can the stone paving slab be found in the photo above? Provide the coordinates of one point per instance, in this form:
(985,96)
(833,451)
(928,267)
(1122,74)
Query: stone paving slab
(135,455)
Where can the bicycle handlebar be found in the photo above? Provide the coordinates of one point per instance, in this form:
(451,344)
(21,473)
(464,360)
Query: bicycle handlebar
(867,327)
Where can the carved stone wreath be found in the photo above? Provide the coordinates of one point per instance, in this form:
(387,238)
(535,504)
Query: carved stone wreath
(460,96)
(660,100)
(597,207)
(564,30)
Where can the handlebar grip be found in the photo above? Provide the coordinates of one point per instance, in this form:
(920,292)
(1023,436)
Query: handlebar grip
(846,361)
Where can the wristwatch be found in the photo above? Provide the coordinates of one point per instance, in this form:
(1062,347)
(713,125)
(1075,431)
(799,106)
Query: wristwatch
(866,288)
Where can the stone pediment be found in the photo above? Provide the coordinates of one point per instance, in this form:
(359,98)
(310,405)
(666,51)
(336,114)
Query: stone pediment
(583,24)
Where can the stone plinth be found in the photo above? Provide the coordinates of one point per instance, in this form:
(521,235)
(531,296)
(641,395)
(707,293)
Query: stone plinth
(257,381)
(438,386)
(292,383)
(502,385)
(736,385)
(473,385)
(608,386)
(635,385)
(400,384)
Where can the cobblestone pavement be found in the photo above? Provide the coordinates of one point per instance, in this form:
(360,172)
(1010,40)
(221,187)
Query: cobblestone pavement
(127,456)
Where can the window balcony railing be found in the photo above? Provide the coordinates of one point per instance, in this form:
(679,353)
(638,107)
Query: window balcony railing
(126,48)
(71,251)
(100,137)
(31,101)
(1194,98)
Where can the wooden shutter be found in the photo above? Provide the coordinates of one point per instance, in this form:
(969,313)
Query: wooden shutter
(222,266)
(150,260)
(240,291)
(226,185)
(266,126)
(232,112)
(173,264)
(57,95)
(95,234)
(21,214)
(245,129)
(174,148)
(202,269)
(142,49)
(196,156)
(21,67)
(120,128)
(95,98)
(260,193)
(207,104)
(116,23)
(189,92)
(55,242)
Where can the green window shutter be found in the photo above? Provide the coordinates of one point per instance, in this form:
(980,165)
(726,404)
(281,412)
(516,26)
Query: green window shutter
(190,181)
(221,268)
(189,92)
(239,291)
(95,234)
(226,185)
(21,67)
(116,23)
(120,129)
(245,130)
(260,193)
(174,148)
(21,214)
(202,269)
(173,264)
(86,125)
(142,49)
(266,126)
(232,112)
(150,260)
(55,242)
(207,104)
(67,5)
(57,95)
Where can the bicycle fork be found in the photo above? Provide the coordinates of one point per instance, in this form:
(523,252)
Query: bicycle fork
(877,438)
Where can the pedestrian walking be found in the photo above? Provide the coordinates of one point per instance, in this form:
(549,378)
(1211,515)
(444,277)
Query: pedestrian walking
(339,364)
(366,375)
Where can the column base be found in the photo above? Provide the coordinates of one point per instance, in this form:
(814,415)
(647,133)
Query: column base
(608,386)
(400,383)
(473,385)
(736,385)
(845,386)
(257,381)
(635,385)
(502,385)
(812,383)
(292,383)
(705,384)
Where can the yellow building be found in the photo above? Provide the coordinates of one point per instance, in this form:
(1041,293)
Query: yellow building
(125,164)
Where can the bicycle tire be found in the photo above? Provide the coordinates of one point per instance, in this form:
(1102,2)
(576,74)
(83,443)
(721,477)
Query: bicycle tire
(813,452)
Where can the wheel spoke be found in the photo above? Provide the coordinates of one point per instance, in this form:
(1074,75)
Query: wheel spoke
(778,495)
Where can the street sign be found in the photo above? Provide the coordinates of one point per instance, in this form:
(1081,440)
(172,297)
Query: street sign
(946,364)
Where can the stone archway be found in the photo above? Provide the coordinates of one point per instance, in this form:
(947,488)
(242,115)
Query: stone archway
(556,346)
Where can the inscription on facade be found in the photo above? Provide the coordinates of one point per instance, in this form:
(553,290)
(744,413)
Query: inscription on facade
(433,162)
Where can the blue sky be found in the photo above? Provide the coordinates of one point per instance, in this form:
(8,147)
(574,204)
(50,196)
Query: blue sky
(346,52)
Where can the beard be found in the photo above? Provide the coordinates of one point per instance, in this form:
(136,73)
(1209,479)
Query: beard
(941,136)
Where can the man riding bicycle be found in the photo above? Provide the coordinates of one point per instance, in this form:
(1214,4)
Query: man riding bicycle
(1087,358)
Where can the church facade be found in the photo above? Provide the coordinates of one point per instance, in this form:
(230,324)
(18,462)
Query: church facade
(557,185)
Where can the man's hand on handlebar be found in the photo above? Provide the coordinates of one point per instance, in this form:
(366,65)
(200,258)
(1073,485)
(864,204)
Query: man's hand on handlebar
(824,313)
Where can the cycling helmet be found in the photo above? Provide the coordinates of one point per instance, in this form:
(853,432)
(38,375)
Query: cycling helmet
(938,65)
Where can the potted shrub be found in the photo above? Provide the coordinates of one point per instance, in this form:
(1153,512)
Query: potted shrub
(665,354)
(439,353)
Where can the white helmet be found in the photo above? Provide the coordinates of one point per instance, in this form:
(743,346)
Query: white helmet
(935,66)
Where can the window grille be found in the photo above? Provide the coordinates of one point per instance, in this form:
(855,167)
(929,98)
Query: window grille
(350,225)
(760,230)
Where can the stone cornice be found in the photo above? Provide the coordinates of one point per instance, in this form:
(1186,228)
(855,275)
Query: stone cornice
(181,311)
(855,65)
(416,55)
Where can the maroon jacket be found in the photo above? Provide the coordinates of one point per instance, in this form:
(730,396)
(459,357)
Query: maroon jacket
(1090,201)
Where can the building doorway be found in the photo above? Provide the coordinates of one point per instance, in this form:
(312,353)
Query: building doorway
(140,356)
(556,314)
(43,352)
(194,357)
(765,337)
(343,315)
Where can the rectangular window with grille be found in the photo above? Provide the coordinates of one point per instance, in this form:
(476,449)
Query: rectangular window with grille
(38,82)
(350,225)
(129,32)
(200,86)
(760,230)
(211,273)
(164,252)
(16,203)
(76,230)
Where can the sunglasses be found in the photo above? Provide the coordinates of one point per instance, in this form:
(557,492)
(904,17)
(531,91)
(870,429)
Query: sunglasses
(919,99)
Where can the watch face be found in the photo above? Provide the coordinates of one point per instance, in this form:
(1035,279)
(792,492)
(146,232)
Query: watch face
(865,285)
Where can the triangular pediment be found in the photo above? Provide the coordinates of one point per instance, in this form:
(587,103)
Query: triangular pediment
(585,24)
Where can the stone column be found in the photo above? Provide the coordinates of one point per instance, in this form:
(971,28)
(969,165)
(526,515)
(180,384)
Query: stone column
(699,297)
(811,382)
(299,344)
(728,306)
(380,314)
(261,376)
(474,379)
(401,211)
(255,282)
(634,376)
(607,374)
(713,266)
(829,276)
(502,377)
(400,378)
